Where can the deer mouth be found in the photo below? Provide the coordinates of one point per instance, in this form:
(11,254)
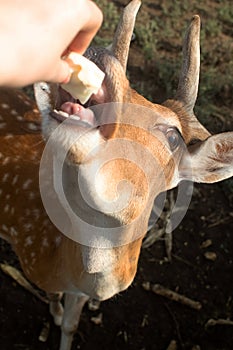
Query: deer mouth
(68,108)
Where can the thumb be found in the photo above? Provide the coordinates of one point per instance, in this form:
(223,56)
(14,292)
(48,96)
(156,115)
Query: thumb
(61,72)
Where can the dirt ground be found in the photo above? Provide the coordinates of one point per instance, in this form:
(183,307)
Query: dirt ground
(201,268)
(138,319)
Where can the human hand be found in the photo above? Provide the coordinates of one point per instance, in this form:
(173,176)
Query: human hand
(36,33)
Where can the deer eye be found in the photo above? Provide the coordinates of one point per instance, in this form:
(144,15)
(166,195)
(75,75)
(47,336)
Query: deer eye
(173,138)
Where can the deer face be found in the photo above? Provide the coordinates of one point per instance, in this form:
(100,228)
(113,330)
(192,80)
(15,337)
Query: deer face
(118,152)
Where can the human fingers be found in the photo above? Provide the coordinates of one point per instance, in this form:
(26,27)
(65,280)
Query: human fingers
(60,73)
(92,18)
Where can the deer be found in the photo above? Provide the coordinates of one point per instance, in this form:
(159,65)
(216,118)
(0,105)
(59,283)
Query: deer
(78,182)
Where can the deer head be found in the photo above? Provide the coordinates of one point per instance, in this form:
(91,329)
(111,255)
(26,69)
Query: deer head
(111,158)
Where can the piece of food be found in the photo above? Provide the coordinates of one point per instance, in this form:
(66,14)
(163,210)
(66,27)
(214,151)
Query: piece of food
(86,78)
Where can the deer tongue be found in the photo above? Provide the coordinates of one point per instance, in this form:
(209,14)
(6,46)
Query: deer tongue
(81,113)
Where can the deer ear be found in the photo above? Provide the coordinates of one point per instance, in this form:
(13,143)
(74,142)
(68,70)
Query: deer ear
(209,161)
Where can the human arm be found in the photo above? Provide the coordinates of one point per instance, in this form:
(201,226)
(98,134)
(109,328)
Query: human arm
(35,34)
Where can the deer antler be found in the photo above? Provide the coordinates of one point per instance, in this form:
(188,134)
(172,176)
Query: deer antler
(188,83)
(122,38)
(189,76)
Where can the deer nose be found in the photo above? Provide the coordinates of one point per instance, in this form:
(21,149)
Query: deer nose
(96,260)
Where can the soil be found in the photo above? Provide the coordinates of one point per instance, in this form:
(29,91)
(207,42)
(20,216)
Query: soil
(201,268)
(138,319)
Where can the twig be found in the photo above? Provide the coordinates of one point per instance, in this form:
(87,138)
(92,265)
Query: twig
(155,233)
(44,332)
(220,321)
(220,222)
(168,229)
(167,293)
(152,236)
(172,345)
(21,280)
(186,262)
(176,323)
(168,244)
(98,320)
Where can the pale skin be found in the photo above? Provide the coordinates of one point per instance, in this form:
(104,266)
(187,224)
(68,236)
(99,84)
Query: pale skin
(35,35)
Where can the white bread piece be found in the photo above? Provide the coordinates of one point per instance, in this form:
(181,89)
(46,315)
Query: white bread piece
(86,78)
